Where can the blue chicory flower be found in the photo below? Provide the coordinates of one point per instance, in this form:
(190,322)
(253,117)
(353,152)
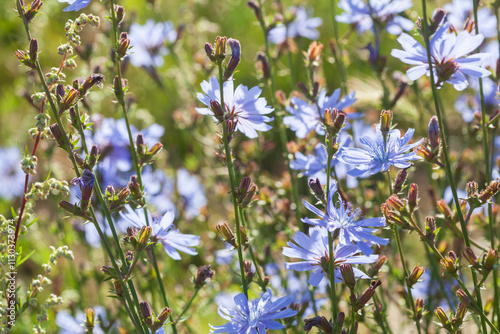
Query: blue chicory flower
(302,25)
(459,11)
(192,191)
(363,14)
(255,316)
(243,105)
(305,117)
(450,62)
(343,218)
(163,231)
(378,155)
(314,165)
(313,248)
(13,176)
(75,5)
(149,41)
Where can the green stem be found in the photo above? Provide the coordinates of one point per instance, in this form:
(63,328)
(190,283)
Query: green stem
(331,261)
(230,169)
(338,56)
(188,305)
(135,160)
(55,114)
(252,255)
(447,164)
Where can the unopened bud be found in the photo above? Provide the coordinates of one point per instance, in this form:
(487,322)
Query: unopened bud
(367,294)
(163,316)
(147,313)
(413,197)
(217,110)
(348,275)
(209,50)
(434,132)
(266,70)
(415,275)
(90,318)
(255,7)
(247,266)
(120,14)
(470,256)
(235,58)
(220,47)
(226,234)
(490,191)
(385,121)
(464,299)
(33,50)
(430,228)
(381,260)
(317,189)
(490,259)
(400,180)
(442,317)
(204,273)
(123,46)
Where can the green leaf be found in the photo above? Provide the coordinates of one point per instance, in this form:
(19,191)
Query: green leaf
(19,262)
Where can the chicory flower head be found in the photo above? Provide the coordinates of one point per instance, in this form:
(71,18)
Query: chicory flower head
(149,42)
(314,250)
(254,316)
(75,5)
(343,218)
(363,14)
(163,231)
(305,117)
(459,11)
(302,25)
(12,174)
(243,105)
(449,51)
(379,155)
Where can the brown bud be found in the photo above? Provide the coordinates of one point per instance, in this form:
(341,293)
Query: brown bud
(204,273)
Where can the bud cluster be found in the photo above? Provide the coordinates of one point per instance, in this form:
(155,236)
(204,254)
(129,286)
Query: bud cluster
(139,239)
(29,57)
(30,10)
(146,155)
(116,201)
(431,148)
(152,321)
(246,192)
(455,321)
(74,27)
(399,211)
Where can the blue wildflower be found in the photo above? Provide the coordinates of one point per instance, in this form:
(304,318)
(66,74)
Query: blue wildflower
(448,53)
(314,251)
(255,316)
(75,5)
(163,231)
(149,42)
(302,25)
(242,105)
(363,14)
(459,11)
(344,219)
(314,165)
(192,191)
(378,155)
(13,176)
(306,117)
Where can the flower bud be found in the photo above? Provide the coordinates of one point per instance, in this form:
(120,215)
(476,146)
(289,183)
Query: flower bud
(385,121)
(444,208)
(139,144)
(367,295)
(33,50)
(247,266)
(90,319)
(204,273)
(400,181)
(395,203)
(430,228)
(226,234)
(255,7)
(442,317)
(381,260)
(412,197)
(244,237)
(120,14)
(415,275)
(490,191)
(135,188)
(317,189)
(320,322)
(490,259)
(470,256)
(235,58)
(460,315)
(118,288)
(472,189)
(123,46)
(163,316)
(209,50)
(58,136)
(348,275)
(449,265)
(220,47)
(313,53)
(464,299)
(147,313)
(434,133)
(266,70)
(217,110)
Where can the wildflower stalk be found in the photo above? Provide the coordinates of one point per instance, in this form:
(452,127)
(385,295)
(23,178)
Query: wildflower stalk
(279,120)
(410,303)
(449,174)
(484,127)
(338,56)
(252,255)
(55,114)
(188,305)
(333,297)
(232,182)
(135,160)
